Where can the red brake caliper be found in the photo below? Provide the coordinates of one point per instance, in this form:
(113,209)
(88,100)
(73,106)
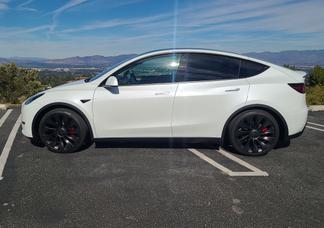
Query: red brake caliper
(264,129)
(71,131)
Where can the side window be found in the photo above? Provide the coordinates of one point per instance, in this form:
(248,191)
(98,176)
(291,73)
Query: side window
(249,68)
(160,69)
(202,67)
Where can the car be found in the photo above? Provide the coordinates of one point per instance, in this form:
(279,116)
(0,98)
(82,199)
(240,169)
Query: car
(245,104)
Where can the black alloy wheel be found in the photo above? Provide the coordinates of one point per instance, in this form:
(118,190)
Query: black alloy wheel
(254,132)
(62,130)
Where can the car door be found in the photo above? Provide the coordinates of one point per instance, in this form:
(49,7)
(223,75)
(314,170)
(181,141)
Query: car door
(141,105)
(208,93)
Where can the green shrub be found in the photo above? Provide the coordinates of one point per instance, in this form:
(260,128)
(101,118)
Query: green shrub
(315,95)
(317,76)
(16,84)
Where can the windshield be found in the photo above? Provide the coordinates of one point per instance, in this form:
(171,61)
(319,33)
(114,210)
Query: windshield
(92,78)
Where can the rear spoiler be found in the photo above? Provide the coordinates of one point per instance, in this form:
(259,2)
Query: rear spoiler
(301,73)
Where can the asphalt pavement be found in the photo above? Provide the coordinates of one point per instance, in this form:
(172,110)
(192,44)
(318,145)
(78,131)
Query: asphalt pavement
(149,184)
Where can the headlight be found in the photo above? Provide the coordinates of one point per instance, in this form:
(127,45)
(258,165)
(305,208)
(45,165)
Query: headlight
(32,98)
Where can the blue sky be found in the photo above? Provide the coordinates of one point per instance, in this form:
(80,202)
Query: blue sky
(63,28)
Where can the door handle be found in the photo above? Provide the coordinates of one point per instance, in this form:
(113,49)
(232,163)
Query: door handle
(232,90)
(161,93)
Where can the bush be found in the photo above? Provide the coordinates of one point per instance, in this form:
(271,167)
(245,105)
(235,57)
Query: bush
(317,76)
(16,84)
(315,95)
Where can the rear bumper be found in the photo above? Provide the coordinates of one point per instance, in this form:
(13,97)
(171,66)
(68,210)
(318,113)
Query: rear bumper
(296,135)
(296,122)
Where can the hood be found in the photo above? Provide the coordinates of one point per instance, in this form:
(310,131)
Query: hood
(68,85)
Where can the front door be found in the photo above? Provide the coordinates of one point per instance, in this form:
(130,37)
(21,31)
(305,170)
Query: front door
(141,106)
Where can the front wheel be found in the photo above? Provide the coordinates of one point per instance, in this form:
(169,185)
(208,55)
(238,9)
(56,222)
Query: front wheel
(62,130)
(253,132)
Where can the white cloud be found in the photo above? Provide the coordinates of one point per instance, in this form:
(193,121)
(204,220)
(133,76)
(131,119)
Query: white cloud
(24,6)
(14,31)
(4,5)
(56,13)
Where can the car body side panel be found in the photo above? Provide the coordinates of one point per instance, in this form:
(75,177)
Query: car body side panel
(202,108)
(271,88)
(134,111)
(71,97)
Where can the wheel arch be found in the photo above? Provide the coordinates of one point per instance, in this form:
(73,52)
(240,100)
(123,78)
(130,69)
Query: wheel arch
(55,105)
(283,127)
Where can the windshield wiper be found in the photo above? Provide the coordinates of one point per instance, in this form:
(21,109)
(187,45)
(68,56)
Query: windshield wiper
(87,79)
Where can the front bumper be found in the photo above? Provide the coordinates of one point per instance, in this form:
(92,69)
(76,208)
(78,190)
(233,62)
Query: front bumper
(27,114)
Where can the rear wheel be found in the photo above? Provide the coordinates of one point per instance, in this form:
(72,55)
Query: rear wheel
(253,132)
(62,130)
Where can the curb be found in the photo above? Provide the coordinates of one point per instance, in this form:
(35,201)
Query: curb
(6,106)
(3,107)
(315,108)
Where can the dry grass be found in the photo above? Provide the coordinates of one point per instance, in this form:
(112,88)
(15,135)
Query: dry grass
(315,95)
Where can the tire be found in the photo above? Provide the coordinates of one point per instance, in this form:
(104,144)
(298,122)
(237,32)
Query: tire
(63,130)
(253,133)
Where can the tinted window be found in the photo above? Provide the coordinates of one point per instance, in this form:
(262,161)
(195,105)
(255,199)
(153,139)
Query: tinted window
(209,67)
(249,68)
(161,69)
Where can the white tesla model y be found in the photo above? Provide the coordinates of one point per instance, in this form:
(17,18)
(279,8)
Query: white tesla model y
(249,105)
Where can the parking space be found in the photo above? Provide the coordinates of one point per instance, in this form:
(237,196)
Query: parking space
(151,184)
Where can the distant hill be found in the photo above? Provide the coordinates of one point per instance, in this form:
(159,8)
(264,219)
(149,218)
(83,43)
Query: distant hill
(97,61)
(89,61)
(298,58)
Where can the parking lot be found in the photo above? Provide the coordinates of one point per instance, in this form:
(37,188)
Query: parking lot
(161,184)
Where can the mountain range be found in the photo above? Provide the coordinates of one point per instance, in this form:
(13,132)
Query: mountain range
(306,58)
(96,61)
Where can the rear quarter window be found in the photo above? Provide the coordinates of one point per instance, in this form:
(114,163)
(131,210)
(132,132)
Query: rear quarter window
(250,68)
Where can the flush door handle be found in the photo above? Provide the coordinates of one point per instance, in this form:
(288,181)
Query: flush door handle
(232,90)
(161,93)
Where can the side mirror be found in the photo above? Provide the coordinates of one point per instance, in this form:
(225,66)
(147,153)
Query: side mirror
(112,81)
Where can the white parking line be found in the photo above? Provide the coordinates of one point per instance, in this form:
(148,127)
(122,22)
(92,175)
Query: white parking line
(315,128)
(255,171)
(5,116)
(8,145)
(316,124)
(211,161)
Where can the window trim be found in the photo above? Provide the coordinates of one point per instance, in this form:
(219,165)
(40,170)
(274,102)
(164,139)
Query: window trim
(184,54)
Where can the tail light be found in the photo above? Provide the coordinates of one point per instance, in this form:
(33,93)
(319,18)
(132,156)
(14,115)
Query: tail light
(299,87)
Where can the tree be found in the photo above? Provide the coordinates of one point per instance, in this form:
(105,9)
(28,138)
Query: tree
(16,84)
(291,67)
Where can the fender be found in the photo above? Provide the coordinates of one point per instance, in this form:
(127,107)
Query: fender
(283,135)
(51,106)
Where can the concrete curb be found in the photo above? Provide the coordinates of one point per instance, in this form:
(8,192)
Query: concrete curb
(3,107)
(315,108)
(6,106)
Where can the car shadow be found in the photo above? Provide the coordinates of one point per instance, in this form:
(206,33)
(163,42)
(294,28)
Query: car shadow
(156,143)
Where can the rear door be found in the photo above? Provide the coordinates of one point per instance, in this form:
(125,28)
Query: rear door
(209,91)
